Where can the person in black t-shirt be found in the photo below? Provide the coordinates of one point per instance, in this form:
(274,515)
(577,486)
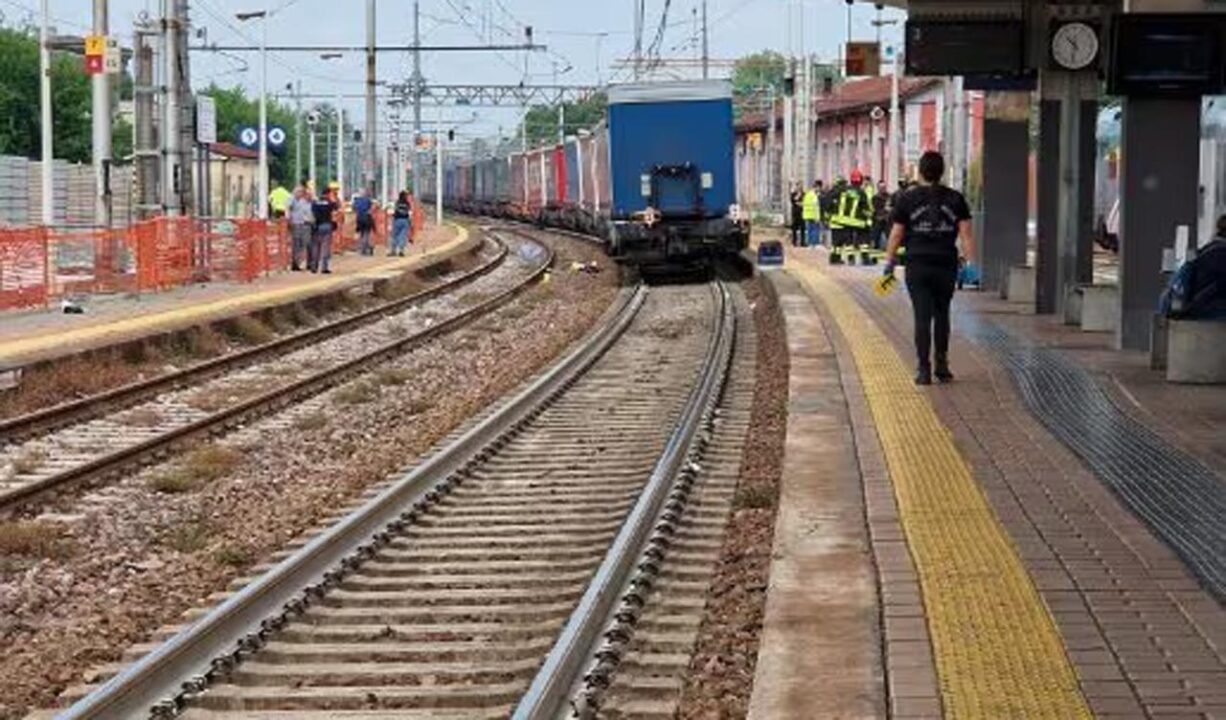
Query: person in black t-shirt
(930,219)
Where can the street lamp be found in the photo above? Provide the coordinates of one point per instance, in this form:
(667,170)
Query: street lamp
(263,132)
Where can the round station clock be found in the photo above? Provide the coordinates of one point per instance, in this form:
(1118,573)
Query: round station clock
(1075,45)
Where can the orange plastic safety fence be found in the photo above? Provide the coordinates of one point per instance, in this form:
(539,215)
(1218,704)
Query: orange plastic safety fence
(23,268)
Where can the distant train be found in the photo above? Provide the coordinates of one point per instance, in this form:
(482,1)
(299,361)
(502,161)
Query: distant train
(656,182)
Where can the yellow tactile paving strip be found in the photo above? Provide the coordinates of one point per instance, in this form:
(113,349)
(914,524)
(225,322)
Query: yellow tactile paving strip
(998,653)
(186,315)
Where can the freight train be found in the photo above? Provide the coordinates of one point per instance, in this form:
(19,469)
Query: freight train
(655,181)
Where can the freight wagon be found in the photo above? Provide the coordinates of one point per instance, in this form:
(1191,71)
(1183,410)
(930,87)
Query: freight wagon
(655,182)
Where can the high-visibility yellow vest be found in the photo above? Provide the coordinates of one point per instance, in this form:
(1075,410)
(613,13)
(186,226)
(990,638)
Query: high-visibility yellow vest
(848,215)
(809,208)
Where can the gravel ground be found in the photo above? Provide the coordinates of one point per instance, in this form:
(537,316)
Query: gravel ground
(76,591)
(721,672)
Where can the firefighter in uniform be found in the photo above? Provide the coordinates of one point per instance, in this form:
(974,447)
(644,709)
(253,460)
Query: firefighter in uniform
(850,220)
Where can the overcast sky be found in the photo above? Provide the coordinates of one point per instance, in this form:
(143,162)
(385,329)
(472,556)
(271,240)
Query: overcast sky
(570,29)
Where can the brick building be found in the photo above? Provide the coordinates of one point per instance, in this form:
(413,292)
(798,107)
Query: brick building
(851,132)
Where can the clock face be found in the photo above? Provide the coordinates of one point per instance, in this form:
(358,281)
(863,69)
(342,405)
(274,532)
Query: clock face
(1074,46)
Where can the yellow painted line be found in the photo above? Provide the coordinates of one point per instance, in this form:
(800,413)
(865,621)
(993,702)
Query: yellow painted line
(997,650)
(188,315)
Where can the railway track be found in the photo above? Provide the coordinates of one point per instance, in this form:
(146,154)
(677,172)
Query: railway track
(481,583)
(131,426)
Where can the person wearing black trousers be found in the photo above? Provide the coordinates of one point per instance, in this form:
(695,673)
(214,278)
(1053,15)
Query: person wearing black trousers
(798,219)
(930,219)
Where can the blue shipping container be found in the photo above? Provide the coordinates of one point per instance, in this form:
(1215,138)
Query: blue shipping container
(572,171)
(673,141)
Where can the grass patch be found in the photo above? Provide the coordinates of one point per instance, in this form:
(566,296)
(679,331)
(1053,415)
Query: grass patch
(473,298)
(301,316)
(357,393)
(200,343)
(29,461)
(249,330)
(48,385)
(143,417)
(212,400)
(188,537)
(200,467)
(755,498)
(393,376)
(233,555)
(312,421)
(33,539)
(417,406)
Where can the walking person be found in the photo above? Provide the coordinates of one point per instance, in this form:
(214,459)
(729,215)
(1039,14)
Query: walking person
(324,211)
(798,217)
(929,220)
(363,210)
(300,217)
(402,225)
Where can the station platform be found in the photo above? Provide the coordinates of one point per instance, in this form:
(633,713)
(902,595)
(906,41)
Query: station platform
(32,336)
(1043,538)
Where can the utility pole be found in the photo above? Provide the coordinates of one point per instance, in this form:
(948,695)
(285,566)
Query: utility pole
(297,135)
(311,157)
(370,156)
(895,154)
(101,87)
(438,175)
(638,38)
(771,175)
(170,110)
(340,150)
(417,189)
(706,50)
(48,155)
(148,156)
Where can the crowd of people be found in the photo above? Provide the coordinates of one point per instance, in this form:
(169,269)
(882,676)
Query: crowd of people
(315,218)
(853,213)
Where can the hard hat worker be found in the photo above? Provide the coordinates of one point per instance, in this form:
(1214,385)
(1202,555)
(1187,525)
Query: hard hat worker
(850,218)
(929,220)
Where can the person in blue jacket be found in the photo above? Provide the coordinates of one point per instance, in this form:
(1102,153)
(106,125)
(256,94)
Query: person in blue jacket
(1198,289)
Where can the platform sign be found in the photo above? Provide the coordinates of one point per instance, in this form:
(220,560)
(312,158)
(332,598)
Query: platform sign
(206,120)
(113,57)
(95,54)
(863,59)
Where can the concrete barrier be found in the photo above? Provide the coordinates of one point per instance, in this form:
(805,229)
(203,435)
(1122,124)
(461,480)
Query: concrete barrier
(1100,308)
(1072,306)
(1196,352)
(1022,284)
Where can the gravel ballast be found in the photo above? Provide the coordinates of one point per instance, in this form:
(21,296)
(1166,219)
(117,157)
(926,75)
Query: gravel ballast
(722,669)
(77,586)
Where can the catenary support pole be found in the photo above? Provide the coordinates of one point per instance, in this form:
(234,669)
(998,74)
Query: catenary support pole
(262,192)
(706,47)
(170,111)
(370,156)
(438,177)
(48,155)
(101,90)
(417,81)
(340,151)
(311,158)
(297,133)
(895,153)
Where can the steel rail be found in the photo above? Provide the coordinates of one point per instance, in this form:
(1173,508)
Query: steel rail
(274,399)
(549,694)
(52,418)
(183,665)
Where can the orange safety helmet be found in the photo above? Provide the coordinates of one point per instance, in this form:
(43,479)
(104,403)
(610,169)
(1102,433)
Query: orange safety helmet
(857,177)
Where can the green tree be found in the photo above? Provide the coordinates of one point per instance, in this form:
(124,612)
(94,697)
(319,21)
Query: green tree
(19,98)
(541,121)
(759,70)
(235,110)
(121,140)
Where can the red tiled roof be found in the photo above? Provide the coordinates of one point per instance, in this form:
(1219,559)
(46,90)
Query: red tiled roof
(850,97)
(231,150)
